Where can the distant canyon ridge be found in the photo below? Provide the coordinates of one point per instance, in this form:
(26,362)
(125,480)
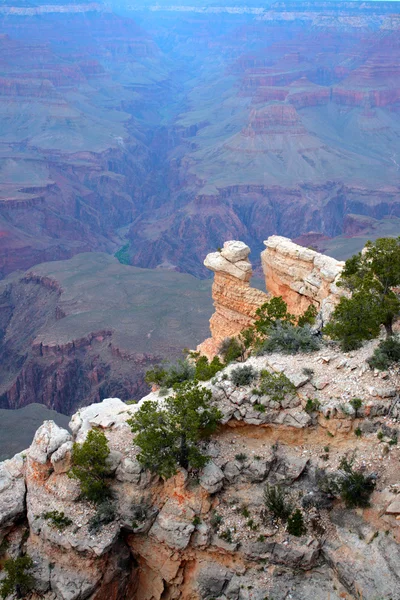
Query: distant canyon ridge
(158,134)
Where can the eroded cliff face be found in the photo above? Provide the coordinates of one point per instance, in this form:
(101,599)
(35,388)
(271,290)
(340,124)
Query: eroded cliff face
(300,275)
(207,534)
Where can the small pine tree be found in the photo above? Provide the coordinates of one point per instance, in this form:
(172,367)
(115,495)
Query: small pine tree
(231,349)
(276,503)
(295,524)
(371,276)
(354,487)
(18,579)
(168,435)
(270,313)
(89,462)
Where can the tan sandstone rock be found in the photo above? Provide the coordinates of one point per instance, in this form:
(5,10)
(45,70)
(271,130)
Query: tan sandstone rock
(234,300)
(301,276)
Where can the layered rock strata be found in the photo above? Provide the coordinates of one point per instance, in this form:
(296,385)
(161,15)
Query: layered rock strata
(210,537)
(235,301)
(300,275)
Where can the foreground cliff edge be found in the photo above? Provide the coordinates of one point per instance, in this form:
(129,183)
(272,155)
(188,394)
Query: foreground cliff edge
(206,535)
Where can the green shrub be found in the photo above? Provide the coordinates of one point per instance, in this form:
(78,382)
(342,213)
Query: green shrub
(216,520)
(241,376)
(170,375)
(312,405)
(289,339)
(308,317)
(58,519)
(205,370)
(356,403)
(274,385)
(168,434)
(371,276)
(241,457)
(387,353)
(295,524)
(105,514)
(226,535)
(245,512)
(354,487)
(90,468)
(276,503)
(270,313)
(231,349)
(18,580)
(251,524)
(358,432)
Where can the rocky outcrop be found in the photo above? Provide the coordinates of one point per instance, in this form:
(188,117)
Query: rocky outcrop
(301,276)
(235,301)
(208,535)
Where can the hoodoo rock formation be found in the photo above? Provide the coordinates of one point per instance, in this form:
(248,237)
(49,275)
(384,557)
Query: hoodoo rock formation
(234,300)
(300,275)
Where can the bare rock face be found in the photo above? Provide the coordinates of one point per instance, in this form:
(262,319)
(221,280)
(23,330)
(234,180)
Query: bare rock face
(234,300)
(301,276)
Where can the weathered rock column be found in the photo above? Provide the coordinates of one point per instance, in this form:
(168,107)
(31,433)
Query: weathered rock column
(234,300)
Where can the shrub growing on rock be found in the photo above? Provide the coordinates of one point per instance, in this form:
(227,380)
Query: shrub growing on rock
(289,339)
(205,370)
(168,433)
(276,503)
(57,519)
(170,375)
(90,468)
(243,375)
(371,276)
(355,488)
(270,313)
(231,349)
(295,524)
(18,579)
(274,385)
(105,514)
(387,353)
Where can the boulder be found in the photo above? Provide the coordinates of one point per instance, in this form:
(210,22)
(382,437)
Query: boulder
(212,579)
(212,478)
(174,525)
(235,251)
(240,270)
(48,438)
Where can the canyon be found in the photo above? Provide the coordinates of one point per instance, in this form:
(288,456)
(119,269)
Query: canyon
(148,128)
(75,331)
(154,134)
